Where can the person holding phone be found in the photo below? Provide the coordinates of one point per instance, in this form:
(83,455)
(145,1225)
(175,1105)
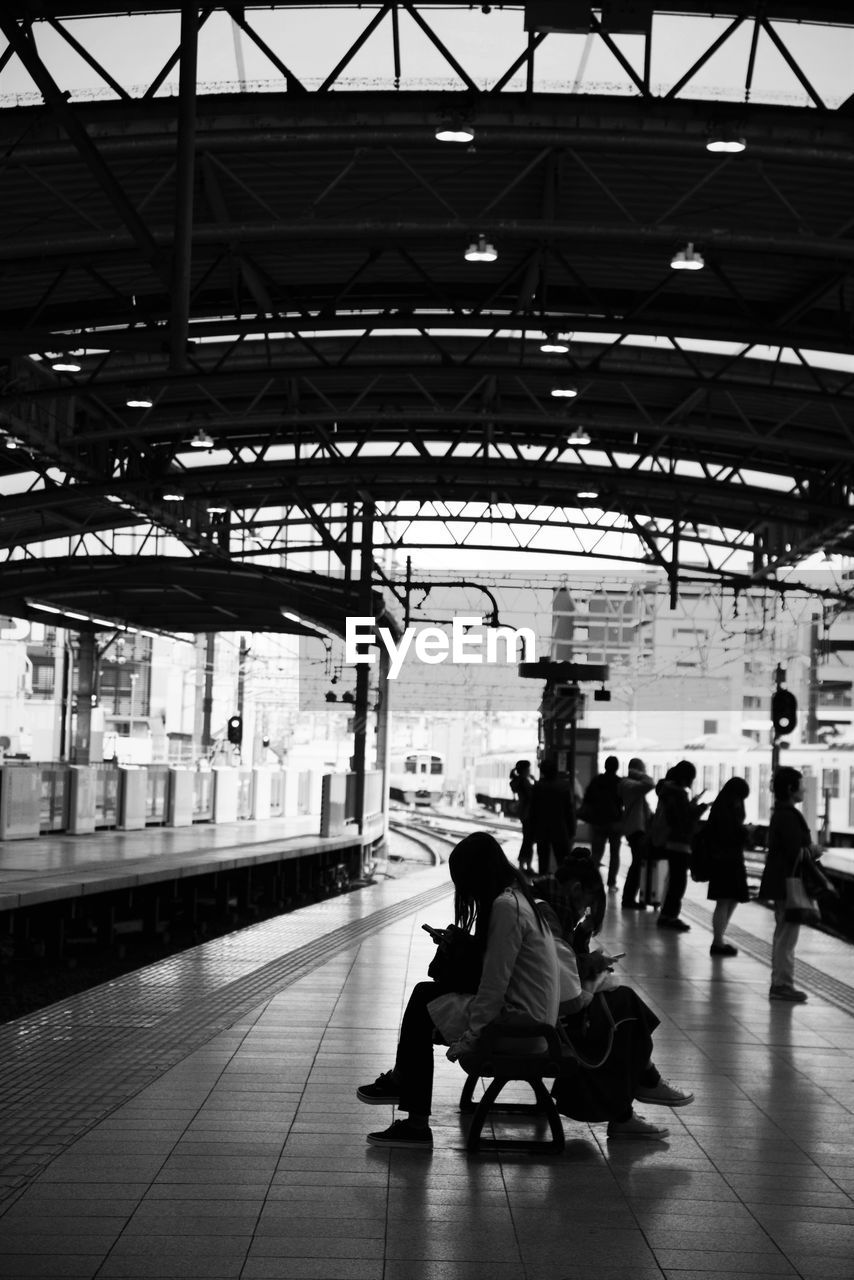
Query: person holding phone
(604,1019)
(681,814)
(493,905)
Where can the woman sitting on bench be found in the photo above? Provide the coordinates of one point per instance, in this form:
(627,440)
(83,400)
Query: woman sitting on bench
(495,910)
(607,1024)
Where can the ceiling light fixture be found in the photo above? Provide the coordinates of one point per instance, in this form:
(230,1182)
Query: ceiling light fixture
(139,400)
(579,438)
(687,259)
(588,495)
(725,142)
(216,508)
(455,130)
(65,364)
(564,391)
(172,495)
(201,440)
(481,250)
(554,345)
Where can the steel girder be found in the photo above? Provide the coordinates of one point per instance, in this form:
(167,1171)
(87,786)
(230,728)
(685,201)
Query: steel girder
(286,273)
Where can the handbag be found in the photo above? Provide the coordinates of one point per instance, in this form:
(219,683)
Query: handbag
(458,962)
(800,907)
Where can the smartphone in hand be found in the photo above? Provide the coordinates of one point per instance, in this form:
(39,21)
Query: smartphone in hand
(436,934)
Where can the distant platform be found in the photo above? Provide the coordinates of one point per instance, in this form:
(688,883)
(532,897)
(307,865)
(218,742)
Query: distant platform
(51,868)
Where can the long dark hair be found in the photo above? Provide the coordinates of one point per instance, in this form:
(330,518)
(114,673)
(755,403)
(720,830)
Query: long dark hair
(583,871)
(731,796)
(480,872)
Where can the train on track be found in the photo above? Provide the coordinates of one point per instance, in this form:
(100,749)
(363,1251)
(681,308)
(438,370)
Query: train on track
(417,777)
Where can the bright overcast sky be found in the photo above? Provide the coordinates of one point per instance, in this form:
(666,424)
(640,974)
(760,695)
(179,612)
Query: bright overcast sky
(133,48)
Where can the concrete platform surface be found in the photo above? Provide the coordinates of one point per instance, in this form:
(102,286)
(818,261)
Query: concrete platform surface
(199,1119)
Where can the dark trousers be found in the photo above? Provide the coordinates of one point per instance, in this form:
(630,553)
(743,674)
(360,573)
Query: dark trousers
(677,883)
(610,836)
(551,849)
(413,1065)
(606,1091)
(638,843)
(526,849)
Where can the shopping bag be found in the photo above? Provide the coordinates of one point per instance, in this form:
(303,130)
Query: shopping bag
(800,907)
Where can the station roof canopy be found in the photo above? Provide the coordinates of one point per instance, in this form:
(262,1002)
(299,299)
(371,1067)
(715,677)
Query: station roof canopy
(256,317)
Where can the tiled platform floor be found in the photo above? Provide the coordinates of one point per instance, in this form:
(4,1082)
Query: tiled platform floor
(241,1152)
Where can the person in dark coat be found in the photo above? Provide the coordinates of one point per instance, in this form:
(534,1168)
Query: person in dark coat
(603,808)
(522,786)
(788,835)
(637,816)
(681,814)
(727,836)
(552,816)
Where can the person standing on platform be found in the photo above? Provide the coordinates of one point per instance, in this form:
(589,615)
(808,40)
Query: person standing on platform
(681,815)
(602,807)
(727,836)
(552,816)
(637,815)
(522,786)
(788,837)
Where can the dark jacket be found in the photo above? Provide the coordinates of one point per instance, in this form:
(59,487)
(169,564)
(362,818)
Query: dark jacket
(552,809)
(522,786)
(681,813)
(788,834)
(602,805)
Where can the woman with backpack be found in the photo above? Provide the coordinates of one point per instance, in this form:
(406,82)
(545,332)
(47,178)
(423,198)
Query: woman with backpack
(727,836)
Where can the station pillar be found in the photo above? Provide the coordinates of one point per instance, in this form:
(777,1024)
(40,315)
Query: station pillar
(87,686)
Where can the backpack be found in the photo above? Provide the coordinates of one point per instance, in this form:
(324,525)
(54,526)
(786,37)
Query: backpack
(602,804)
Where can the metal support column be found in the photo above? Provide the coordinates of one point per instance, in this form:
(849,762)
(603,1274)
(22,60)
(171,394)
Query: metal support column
(185,179)
(360,733)
(384,729)
(87,680)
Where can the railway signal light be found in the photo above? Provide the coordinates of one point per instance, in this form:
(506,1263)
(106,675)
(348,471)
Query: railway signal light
(784,711)
(234,730)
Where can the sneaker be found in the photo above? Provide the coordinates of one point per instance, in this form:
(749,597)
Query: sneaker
(787,993)
(403,1134)
(664,1094)
(723,949)
(383,1092)
(636,1127)
(679,926)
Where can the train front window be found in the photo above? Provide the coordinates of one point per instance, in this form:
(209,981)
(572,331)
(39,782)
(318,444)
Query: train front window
(435,764)
(409,764)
